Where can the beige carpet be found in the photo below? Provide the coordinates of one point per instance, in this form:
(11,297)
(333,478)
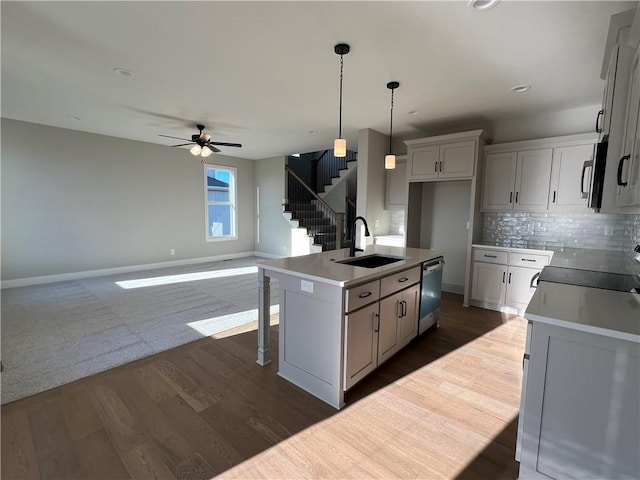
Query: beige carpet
(56,333)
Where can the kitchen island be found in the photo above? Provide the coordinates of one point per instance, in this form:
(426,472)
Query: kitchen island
(339,321)
(579,415)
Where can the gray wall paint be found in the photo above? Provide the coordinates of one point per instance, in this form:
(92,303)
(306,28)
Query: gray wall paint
(275,230)
(74,201)
(372,147)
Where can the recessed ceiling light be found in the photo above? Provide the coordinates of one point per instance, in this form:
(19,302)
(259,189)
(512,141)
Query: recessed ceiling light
(312,132)
(520,88)
(413,112)
(482,4)
(77,119)
(123,72)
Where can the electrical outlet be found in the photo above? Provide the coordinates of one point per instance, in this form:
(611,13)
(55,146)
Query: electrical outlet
(172,251)
(608,230)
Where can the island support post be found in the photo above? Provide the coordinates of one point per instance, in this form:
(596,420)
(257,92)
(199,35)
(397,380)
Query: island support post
(264,323)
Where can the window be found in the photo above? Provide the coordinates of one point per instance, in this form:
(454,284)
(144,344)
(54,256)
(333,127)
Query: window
(220,198)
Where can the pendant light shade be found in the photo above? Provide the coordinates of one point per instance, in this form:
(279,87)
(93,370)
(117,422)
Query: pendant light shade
(390,158)
(340,144)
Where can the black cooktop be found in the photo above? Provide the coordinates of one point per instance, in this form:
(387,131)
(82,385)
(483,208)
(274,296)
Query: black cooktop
(588,278)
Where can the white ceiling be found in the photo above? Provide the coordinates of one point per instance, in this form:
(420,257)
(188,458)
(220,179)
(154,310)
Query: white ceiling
(264,74)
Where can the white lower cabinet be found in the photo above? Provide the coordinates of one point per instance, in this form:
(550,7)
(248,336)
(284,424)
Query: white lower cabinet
(579,413)
(375,332)
(505,279)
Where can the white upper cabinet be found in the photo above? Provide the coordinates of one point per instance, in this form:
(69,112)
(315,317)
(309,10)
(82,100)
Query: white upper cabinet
(533,172)
(445,157)
(628,169)
(570,178)
(538,175)
(517,180)
(603,122)
(499,181)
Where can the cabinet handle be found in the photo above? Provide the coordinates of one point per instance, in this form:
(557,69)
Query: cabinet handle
(440,167)
(364,295)
(554,192)
(403,279)
(435,167)
(528,260)
(400,313)
(503,274)
(490,256)
(509,278)
(585,193)
(599,129)
(376,329)
(620,164)
(525,357)
(510,197)
(534,279)
(405,307)
(517,196)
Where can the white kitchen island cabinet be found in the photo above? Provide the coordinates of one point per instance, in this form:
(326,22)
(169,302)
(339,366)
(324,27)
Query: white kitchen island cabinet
(338,322)
(580,415)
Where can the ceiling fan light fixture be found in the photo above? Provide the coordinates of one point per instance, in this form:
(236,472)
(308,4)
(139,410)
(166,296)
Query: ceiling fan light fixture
(390,158)
(340,144)
(206,151)
(195,150)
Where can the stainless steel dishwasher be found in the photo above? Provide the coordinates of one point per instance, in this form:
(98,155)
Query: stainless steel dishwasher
(431,294)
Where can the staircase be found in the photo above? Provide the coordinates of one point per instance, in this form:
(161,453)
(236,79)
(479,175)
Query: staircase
(306,208)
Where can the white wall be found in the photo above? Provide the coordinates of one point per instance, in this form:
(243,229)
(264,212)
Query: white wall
(445,213)
(274,233)
(372,147)
(74,201)
(550,124)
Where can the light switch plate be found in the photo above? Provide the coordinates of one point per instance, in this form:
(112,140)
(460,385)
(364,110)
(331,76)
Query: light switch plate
(608,230)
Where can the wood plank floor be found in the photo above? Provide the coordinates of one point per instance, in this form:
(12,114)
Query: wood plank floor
(444,407)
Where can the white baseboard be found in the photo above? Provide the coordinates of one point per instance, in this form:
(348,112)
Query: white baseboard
(61,277)
(271,256)
(453,288)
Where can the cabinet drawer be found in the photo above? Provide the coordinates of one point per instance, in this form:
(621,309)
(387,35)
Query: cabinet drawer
(395,283)
(361,295)
(528,260)
(490,256)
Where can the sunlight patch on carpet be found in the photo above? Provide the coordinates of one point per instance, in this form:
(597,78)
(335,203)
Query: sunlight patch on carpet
(186,277)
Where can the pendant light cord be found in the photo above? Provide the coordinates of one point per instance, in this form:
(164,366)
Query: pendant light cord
(340,119)
(391,122)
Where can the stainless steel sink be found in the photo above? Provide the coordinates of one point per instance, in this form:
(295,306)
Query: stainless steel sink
(371,261)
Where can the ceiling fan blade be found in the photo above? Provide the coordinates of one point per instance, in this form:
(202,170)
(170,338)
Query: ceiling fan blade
(181,145)
(224,144)
(177,138)
(214,149)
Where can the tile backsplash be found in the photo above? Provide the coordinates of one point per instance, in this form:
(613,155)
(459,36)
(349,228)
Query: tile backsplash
(578,230)
(396,222)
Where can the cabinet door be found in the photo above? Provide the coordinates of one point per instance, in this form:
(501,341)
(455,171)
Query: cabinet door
(607,101)
(409,321)
(565,194)
(533,175)
(423,163)
(391,309)
(397,186)
(361,343)
(519,283)
(489,281)
(499,180)
(629,194)
(457,160)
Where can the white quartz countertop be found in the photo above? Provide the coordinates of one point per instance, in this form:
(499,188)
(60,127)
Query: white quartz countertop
(594,310)
(323,267)
(545,250)
(596,260)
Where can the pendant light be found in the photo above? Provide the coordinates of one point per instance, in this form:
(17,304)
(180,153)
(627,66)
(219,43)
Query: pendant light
(340,144)
(390,158)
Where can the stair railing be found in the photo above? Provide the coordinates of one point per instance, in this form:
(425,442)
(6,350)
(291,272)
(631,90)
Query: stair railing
(298,192)
(350,215)
(329,167)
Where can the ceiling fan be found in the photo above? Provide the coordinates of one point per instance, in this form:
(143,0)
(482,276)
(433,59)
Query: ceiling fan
(202,144)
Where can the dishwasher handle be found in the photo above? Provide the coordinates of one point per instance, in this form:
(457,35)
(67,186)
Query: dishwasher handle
(433,266)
